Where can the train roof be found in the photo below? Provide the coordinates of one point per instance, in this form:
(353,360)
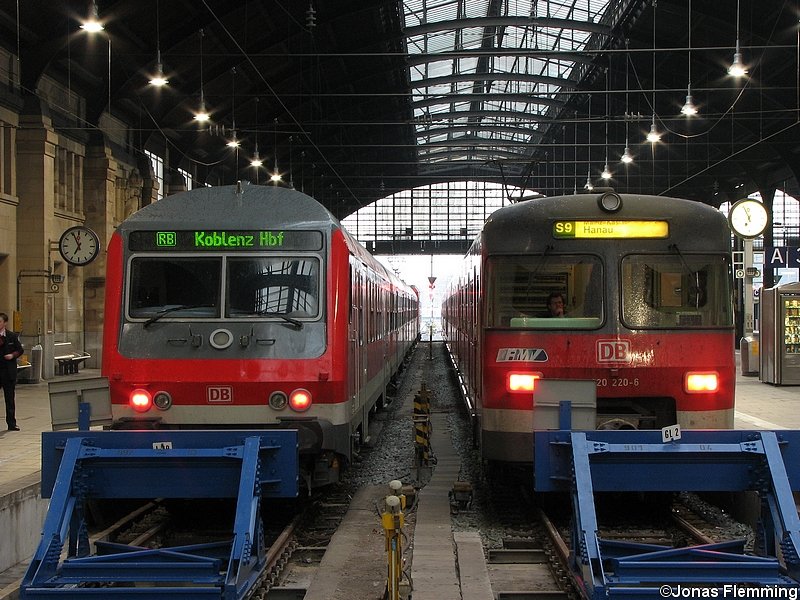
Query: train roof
(256,207)
(521,226)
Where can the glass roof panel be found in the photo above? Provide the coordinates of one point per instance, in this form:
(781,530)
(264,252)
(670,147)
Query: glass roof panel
(455,46)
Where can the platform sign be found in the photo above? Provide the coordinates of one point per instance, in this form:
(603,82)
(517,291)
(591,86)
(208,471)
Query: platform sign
(787,257)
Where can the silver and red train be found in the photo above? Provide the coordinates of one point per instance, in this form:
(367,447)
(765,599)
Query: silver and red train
(649,318)
(252,307)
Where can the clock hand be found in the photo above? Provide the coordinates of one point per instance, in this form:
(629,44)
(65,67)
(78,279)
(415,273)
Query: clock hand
(77,237)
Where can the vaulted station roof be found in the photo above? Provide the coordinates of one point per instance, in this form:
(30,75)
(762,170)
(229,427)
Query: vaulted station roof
(354,99)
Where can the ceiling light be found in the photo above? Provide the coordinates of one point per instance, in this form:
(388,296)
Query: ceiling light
(201,116)
(256,160)
(606,174)
(653,135)
(737,68)
(588,185)
(275,177)
(158,79)
(93,24)
(689,109)
(626,157)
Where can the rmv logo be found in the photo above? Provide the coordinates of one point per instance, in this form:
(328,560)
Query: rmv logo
(219,393)
(613,351)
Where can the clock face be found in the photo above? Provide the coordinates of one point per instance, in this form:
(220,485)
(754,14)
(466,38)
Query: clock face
(79,245)
(748,218)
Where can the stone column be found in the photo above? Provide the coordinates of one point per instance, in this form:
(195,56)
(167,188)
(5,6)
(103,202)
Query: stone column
(100,173)
(36,143)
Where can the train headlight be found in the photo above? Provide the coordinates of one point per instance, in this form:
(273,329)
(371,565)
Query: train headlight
(300,400)
(278,400)
(695,382)
(521,382)
(162,400)
(140,400)
(609,202)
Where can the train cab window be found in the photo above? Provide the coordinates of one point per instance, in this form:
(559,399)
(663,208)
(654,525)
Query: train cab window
(280,285)
(676,291)
(186,287)
(520,289)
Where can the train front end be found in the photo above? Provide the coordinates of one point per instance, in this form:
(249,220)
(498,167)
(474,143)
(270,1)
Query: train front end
(648,315)
(219,315)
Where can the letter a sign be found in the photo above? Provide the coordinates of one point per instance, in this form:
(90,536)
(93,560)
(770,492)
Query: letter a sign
(782,256)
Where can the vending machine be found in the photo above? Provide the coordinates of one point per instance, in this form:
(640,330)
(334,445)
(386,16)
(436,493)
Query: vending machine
(780,334)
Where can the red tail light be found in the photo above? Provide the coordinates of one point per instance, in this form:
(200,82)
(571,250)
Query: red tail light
(517,382)
(701,382)
(300,400)
(140,400)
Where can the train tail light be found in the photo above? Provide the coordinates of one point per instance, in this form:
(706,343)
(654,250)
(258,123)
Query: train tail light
(300,400)
(701,382)
(517,382)
(140,400)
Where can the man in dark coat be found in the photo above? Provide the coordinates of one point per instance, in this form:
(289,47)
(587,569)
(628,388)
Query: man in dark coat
(10,350)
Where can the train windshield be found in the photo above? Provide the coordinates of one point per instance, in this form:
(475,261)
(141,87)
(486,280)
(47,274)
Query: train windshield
(177,288)
(545,292)
(273,285)
(677,290)
(265,287)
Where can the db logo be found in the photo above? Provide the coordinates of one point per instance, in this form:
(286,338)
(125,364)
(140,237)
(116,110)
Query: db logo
(219,393)
(613,351)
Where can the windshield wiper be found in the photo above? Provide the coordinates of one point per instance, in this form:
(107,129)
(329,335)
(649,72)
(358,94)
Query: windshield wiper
(172,309)
(269,313)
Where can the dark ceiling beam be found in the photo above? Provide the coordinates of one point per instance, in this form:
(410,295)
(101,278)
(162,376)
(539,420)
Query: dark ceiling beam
(497,21)
(428,157)
(473,141)
(498,97)
(414,60)
(453,129)
(492,77)
(512,115)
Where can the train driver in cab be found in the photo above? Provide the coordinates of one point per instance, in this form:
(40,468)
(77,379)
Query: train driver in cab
(555,305)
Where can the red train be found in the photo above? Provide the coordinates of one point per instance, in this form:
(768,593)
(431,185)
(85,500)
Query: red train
(646,286)
(250,307)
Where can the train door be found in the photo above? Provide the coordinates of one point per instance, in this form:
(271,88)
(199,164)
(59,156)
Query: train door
(477,336)
(365,306)
(386,335)
(355,335)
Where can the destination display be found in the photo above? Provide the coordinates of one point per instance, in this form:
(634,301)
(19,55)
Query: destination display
(223,240)
(612,230)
